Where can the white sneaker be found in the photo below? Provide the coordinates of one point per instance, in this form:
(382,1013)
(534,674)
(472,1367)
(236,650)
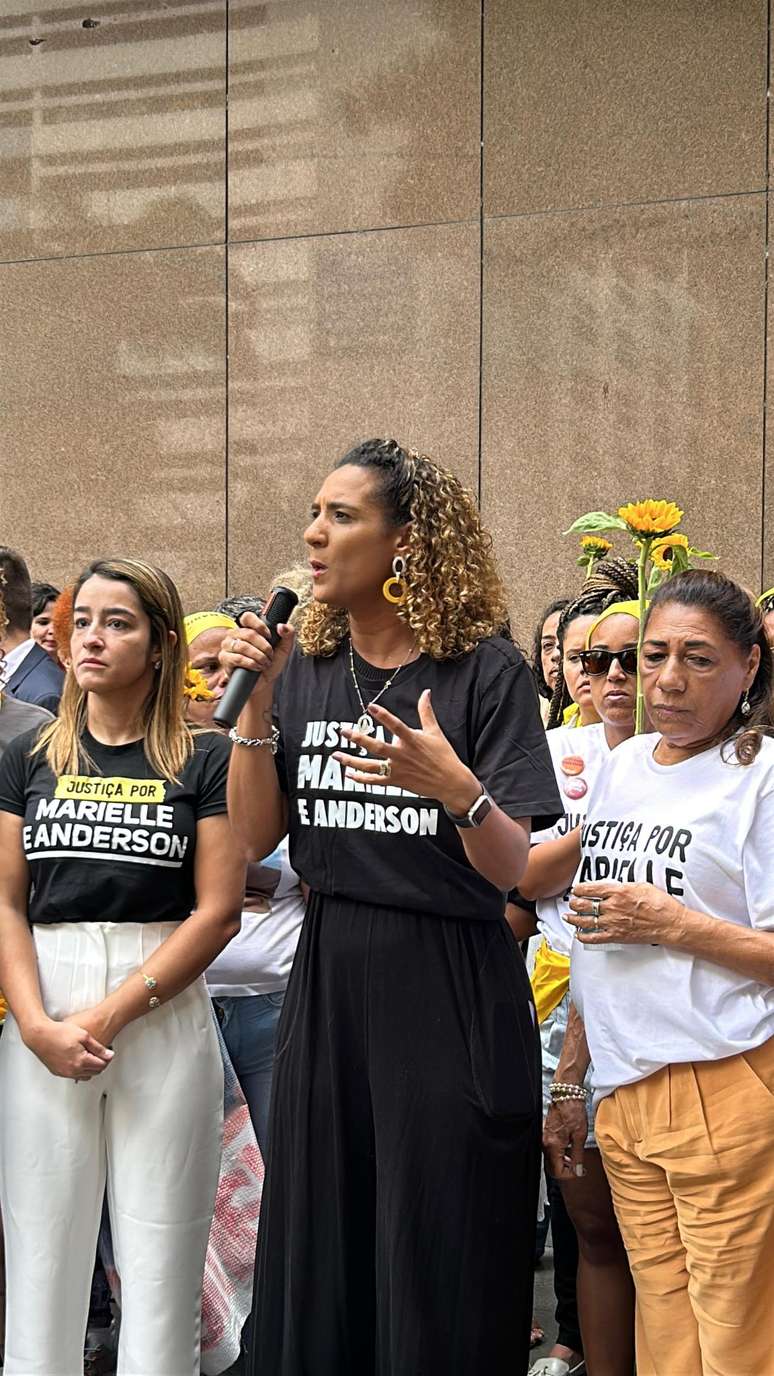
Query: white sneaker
(556,1366)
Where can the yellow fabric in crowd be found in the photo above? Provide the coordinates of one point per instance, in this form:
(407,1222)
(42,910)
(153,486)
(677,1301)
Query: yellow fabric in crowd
(617,609)
(206,621)
(550,980)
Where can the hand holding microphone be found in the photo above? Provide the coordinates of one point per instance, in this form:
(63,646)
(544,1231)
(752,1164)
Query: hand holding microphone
(255,650)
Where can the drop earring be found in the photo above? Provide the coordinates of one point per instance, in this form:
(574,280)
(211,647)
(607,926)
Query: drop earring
(744,706)
(395,589)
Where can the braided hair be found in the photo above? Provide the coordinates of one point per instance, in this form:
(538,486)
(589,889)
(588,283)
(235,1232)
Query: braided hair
(611,580)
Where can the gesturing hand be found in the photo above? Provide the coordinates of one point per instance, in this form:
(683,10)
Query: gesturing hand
(418,759)
(68,1049)
(638,914)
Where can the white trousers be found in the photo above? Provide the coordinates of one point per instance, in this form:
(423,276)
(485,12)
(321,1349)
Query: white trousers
(150,1125)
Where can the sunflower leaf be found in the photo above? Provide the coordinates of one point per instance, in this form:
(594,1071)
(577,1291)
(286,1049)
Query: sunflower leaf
(594,522)
(701,554)
(680,561)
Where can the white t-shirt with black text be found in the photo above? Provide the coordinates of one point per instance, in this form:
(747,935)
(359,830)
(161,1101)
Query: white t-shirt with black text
(702,831)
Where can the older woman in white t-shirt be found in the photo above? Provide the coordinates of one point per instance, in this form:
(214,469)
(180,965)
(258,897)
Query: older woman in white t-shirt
(673,979)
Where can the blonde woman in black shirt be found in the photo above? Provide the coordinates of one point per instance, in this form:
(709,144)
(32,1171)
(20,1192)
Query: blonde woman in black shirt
(398,1222)
(119,882)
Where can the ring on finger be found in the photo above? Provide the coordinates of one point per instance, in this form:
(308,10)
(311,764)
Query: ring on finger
(596,910)
(384,769)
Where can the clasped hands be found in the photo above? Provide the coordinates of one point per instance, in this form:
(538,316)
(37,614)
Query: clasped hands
(75,1048)
(604,912)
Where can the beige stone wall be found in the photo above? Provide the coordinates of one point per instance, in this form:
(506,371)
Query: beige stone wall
(237,237)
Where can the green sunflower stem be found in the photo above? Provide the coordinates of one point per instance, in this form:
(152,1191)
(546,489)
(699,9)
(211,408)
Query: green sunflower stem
(642,587)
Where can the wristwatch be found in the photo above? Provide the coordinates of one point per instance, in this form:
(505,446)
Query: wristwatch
(475,815)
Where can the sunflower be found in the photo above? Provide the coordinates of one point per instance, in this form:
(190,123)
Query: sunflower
(195,686)
(662,551)
(595,545)
(650,518)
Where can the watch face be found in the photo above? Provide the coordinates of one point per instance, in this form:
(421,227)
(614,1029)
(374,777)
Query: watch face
(480,810)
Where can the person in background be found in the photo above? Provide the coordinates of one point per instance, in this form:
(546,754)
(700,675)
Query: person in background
(673,986)
(204,633)
(44,595)
(248,979)
(572,704)
(545,653)
(110,1068)
(398,1221)
(605,1294)
(766,604)
(15,718)
(29,673)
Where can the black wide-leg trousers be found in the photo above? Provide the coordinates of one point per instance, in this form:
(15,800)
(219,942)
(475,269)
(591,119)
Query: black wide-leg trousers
(398,1223)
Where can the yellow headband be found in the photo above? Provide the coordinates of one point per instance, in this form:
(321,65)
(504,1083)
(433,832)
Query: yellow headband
(206,621)
(759,601)
(617,609)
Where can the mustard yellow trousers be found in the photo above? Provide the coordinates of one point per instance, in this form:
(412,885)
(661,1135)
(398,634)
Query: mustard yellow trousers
(689,1153)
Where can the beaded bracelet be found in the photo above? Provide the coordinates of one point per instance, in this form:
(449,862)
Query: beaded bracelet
(560,1091)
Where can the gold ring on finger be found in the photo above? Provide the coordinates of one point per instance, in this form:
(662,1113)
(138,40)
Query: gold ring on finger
(385,769)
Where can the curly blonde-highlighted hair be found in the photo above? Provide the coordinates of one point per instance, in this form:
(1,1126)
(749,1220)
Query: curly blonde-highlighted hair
(168,740)
(454,595)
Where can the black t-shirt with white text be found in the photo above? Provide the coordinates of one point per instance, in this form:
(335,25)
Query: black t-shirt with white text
(380,843)
(117,845)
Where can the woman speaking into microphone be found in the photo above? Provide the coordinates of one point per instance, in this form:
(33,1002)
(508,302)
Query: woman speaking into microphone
(404,754)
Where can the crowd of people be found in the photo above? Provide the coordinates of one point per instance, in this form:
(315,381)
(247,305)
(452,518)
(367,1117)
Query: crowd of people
(469,940)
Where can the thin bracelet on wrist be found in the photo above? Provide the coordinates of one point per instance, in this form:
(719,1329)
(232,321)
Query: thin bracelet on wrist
(150,985)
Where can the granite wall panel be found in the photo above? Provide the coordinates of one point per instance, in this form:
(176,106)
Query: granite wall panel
(336,339)
(344,115)
(610,100)
(112,128)
(114,409)
(623,359)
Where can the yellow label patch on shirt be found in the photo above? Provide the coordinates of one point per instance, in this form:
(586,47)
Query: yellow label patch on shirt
(114,790)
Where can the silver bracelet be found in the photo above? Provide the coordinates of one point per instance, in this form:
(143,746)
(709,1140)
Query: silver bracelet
(272,741)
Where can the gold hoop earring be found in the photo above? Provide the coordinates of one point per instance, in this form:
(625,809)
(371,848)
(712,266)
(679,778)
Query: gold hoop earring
(395,589)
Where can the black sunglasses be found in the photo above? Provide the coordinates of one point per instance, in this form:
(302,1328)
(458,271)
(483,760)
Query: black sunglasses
(598,661)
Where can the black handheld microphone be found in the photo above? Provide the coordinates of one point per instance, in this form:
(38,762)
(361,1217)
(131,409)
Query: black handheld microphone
(242,682)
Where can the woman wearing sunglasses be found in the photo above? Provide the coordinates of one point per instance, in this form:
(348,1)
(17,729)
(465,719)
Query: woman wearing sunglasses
(605,1295)
(613,580)
(673,979)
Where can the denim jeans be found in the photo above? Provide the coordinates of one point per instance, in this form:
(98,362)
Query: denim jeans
(249,1027)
